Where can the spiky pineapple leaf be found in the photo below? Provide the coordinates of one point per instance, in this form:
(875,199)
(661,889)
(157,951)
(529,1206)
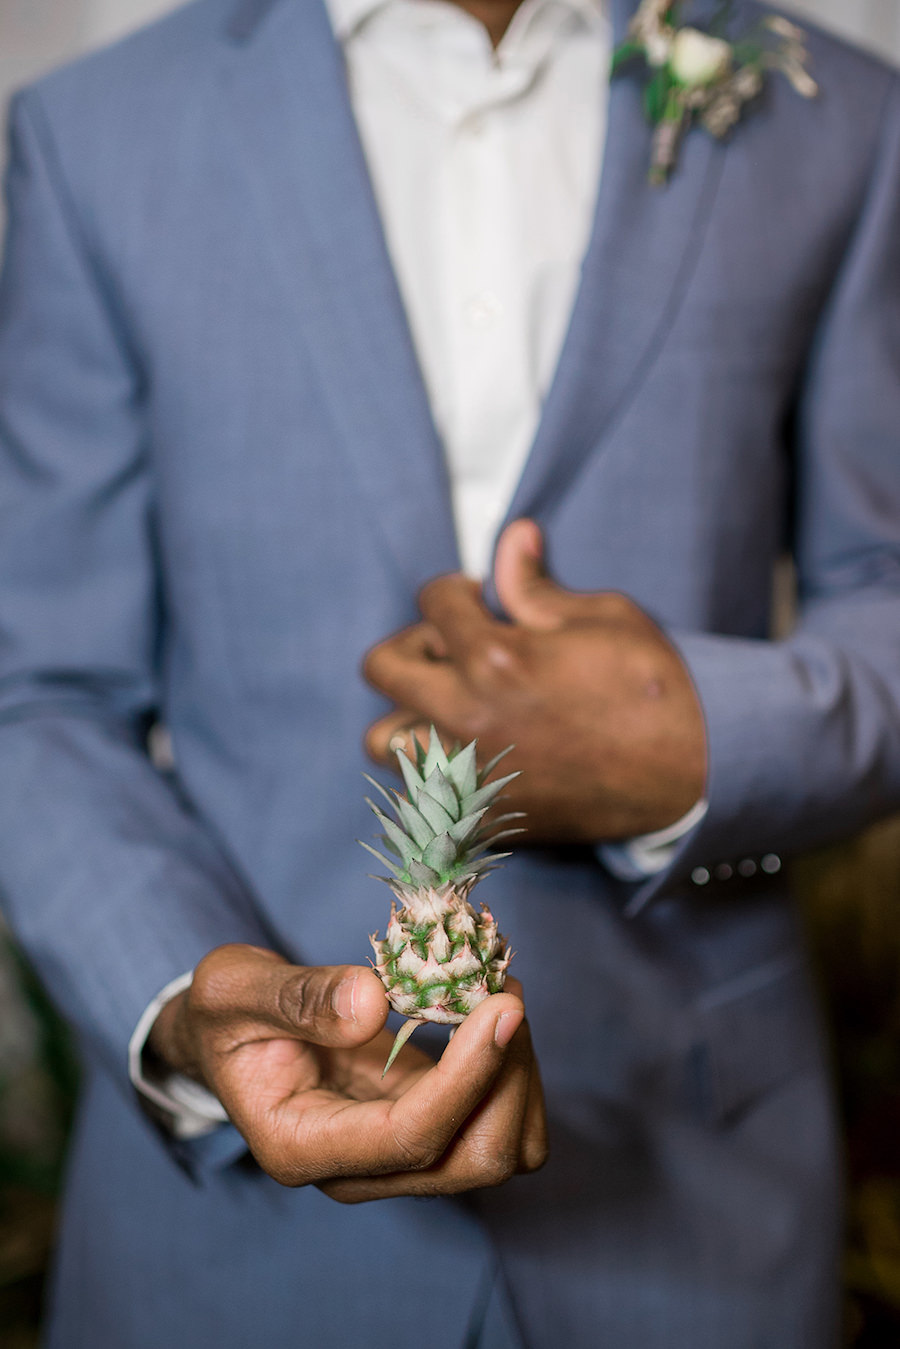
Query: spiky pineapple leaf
(510,815)
(463,830)
(400,1040)
(383,792)
(438,818)
(440,854)
(463,771)
(442,791)
(405,846)
(415,824)
(481,865)
(382,859)
(488,793)
(435,758)
(503,833)
(489,767)
(413,780)
(422,874)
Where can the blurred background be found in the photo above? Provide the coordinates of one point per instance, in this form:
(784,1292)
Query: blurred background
(850,895)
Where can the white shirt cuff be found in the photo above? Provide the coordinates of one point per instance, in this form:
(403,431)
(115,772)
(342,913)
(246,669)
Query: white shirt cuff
(192,1110)
(648,854)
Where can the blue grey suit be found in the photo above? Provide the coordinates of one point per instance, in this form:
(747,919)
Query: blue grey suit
(220,483)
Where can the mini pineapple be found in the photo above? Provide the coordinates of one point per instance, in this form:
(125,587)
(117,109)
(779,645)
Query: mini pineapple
(439,958)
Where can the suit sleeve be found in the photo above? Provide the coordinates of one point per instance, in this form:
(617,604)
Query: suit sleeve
(804,734)
(109,879)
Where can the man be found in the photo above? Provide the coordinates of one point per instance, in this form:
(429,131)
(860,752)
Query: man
(223,484)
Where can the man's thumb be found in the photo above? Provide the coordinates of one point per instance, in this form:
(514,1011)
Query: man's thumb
(335,1005)
(523,587)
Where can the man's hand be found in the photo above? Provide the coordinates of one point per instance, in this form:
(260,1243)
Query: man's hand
(295,1055)
(607,726)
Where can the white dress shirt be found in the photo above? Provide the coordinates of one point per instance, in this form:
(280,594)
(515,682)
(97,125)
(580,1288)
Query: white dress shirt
(485,166)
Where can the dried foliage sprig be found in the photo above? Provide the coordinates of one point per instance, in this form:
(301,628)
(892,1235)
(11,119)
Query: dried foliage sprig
(699,75)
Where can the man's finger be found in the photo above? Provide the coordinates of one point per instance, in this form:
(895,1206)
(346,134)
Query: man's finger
(256,994)
(432,689)
(535,1143)
(453,605)
(394,732)
(319,1137)
(487,1150)
(528,595)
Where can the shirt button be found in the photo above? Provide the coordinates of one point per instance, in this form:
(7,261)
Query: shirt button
(482,311)
(700,876)
(724,872)
(747,867)
(771,863)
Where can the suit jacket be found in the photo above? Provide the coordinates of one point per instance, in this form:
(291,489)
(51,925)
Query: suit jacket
(220,483)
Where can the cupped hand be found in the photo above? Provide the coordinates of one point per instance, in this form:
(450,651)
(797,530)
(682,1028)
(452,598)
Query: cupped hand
(295,1054)
(607,727)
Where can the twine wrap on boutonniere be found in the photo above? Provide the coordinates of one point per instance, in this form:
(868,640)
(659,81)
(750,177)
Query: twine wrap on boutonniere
(702,74)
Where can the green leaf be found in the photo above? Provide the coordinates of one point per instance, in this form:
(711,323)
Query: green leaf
(489,767)
(464,829)
(381,858)
(411,777)
(439,819)
(415,824)
(485,795)
(463,772)
(442,791)
(628,51)
(421,874)
(510,815)
(403,1035)
(435,758)
(405,846)
(656,95)
(483,865)
(440,854)
(378,787)
(503,833)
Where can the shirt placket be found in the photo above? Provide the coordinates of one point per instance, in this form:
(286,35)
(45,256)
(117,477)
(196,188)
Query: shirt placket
(485,302)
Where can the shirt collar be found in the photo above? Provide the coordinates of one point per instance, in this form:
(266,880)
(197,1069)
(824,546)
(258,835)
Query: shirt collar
(347,16)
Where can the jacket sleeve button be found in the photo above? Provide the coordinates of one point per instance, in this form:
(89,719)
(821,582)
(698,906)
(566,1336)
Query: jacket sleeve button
(700,876)
(771,863)
(747,867)
(724,871)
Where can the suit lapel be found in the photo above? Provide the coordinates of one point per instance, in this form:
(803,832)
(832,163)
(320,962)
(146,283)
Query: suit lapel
(644,246)
(287,97)
(287,100)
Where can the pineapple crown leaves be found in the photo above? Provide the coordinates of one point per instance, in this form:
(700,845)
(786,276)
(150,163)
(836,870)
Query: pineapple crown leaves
(438,835)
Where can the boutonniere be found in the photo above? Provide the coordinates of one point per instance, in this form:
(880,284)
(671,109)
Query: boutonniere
(702,75)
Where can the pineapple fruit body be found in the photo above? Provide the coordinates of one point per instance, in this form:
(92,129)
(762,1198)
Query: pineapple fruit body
(439,958)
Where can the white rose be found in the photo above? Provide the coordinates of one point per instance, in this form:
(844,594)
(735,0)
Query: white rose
(697,59)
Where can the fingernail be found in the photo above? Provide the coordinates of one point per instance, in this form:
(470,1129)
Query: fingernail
(343,999)
(506,1027)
